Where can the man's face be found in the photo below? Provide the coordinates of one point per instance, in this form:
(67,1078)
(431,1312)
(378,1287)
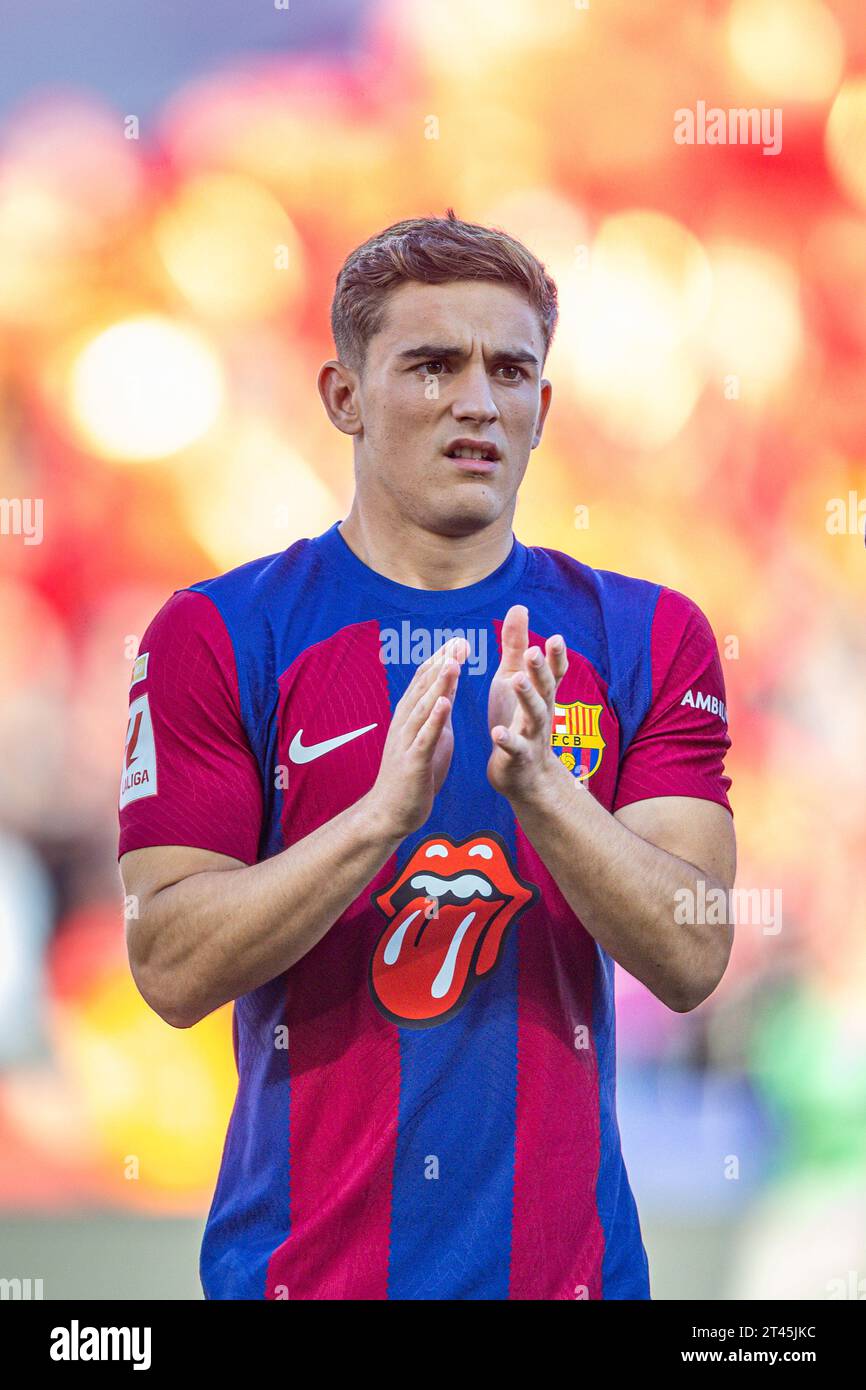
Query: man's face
(453,362)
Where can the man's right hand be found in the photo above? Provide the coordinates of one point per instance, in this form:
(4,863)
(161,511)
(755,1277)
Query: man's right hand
(209,928)
(419,745)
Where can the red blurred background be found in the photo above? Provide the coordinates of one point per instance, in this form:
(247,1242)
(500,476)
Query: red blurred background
(165,282)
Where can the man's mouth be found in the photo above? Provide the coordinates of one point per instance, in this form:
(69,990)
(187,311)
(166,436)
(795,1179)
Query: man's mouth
(483,450)
(448,913)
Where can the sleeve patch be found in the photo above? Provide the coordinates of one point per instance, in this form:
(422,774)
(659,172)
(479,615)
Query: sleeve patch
(139,670)
(139,759)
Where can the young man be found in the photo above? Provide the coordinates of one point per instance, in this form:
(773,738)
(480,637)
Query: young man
(404,792)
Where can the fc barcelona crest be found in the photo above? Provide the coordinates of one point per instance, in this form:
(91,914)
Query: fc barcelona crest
(576,737)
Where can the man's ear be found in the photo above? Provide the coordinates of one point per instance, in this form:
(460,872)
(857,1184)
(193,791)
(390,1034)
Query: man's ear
(546,391)
(338,388)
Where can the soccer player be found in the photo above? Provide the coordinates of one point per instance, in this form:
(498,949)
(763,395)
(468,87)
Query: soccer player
(404,792)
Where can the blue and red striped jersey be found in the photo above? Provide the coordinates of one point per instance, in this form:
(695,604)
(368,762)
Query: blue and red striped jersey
(426,1101)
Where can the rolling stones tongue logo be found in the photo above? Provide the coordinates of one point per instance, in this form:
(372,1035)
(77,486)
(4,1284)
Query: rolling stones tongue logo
(448,912)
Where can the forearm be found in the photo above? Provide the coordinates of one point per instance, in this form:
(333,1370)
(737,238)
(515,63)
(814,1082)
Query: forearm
(624,890)
(218,934)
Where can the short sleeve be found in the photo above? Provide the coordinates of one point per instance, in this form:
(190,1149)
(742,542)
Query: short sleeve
(679,749)
(189,776)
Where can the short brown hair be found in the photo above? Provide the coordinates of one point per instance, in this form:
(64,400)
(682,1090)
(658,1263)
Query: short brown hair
(433,251)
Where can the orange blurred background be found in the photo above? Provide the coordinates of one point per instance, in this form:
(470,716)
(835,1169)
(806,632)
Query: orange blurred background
(165,283)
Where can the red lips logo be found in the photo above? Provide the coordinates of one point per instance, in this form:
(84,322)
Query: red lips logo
(448,912)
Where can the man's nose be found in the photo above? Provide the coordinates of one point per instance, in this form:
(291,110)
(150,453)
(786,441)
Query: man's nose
(474,397)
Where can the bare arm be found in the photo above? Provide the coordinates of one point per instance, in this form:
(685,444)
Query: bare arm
(623,875)
(210,928)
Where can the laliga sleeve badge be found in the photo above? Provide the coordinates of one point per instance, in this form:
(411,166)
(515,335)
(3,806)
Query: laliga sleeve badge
(139,758)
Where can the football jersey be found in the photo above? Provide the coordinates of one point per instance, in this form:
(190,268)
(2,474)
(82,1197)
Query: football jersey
(425,1105)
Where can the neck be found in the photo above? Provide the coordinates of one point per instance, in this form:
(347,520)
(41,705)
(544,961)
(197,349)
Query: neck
(402,550)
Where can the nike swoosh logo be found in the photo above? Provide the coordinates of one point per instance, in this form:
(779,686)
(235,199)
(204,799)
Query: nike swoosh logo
(300,754)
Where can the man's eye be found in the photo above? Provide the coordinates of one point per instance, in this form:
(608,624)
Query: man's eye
(437,366)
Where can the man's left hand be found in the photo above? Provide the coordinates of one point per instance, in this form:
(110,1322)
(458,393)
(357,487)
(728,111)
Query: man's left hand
(520,708)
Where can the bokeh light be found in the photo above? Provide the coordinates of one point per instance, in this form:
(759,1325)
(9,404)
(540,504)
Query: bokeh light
(846,138)
(145,388)
(230,247)
(633,325)
(753,329)
(791,49)
(250,495)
